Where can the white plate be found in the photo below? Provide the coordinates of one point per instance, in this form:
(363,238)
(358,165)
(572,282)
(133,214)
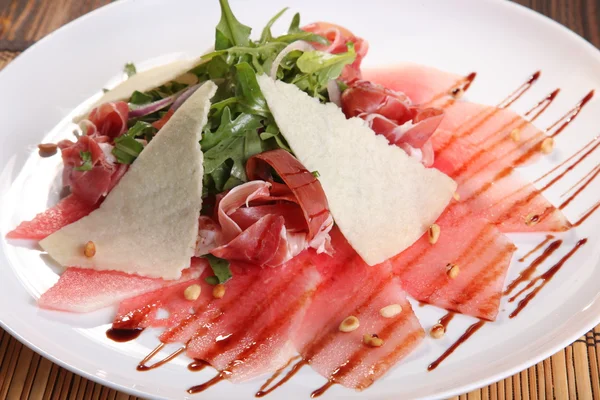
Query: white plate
(503,42)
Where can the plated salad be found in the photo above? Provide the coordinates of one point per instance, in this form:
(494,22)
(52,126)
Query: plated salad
(270,202)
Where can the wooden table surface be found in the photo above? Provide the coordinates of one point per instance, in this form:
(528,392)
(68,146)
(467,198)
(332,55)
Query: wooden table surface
(569,374)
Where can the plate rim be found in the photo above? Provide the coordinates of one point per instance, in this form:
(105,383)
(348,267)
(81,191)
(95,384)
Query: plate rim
(542,355)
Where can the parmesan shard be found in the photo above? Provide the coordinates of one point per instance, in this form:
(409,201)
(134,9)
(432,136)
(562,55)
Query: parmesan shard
(148,224)
(381,199)
(144,81)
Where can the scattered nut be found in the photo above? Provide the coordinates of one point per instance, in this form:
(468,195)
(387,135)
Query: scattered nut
(372,340)
(456,196)
(437,331)
(457,92)
(187,79)
(547,145)
(532,219)
(349,324)
(452,270)
(434,233)
(89,250)
(47,149)
(192,292)
(515,134)
(219,291)
(390,311)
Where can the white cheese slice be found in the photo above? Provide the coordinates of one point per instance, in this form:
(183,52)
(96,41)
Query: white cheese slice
(144,81)
(148,224)
(381,199)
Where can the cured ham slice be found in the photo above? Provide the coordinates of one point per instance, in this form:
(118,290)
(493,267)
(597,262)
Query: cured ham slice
(304,186)
(67,211)
(352,288)
(254,320)
(84,290)
(264,243)
(110,119)
(144,311)
(94,183)
(393,115)
(479,250)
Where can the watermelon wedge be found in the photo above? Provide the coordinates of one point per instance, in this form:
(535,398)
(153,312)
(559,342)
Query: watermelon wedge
(67,211)
(84,290)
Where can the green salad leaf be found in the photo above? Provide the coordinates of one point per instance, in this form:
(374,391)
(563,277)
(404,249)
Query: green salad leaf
(230,32)
(266,34)
(240,123)
(127,148)
(86,161)
(130,69)
(220,268)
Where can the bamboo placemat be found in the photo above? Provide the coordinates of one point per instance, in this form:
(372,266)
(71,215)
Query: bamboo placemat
(572,373)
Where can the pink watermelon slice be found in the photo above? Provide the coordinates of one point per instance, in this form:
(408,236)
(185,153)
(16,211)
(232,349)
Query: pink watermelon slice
(67,211)
(84,290)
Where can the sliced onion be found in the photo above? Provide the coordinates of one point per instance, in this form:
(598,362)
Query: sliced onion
(335,94)
(184,96)
(140,111)
(297,45)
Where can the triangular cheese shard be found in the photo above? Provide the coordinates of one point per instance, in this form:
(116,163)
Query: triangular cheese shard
(143,81)
(381,199)
(148,223)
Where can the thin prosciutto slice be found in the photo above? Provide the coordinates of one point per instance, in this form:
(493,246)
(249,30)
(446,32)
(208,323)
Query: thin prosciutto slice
(267,223)
(84,290)
(479,147)
(393,115)
(304,186)
(481,253)
(110,119)
(93,184)
(351,287)
(67,211)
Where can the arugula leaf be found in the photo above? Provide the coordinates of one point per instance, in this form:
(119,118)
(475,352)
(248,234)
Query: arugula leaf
(126,149)
(228,128)
(142,129)
(315,61)
(212,280)
(140,98)
(219,177)
(86,161)
(228,149)
(317,68)
(220,268)
(266,33)
(252,145)
(302,35)
(295,24)
(272,132)
(230,32)
(248,92)
(130,69)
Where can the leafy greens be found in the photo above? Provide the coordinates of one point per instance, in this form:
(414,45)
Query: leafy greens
(240,123)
